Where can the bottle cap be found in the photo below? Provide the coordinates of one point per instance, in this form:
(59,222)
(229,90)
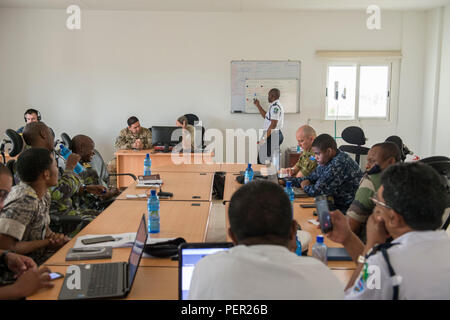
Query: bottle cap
(147,156)
(249,166)
(153,192)
(319,239)
(288,184)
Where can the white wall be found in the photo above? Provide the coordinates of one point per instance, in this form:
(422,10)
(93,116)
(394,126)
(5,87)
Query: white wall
(443,112)
(160,65)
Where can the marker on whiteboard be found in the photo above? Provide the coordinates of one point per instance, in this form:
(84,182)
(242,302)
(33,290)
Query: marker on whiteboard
(237,111)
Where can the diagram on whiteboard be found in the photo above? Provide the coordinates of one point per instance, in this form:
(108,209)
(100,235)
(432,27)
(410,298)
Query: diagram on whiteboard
(259,89)
(255,78)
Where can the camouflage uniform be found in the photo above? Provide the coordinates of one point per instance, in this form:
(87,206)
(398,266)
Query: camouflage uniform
(306,162)
(125,140)
(69,185)
(338,178)
(25,217)
(362,207)
(89,177)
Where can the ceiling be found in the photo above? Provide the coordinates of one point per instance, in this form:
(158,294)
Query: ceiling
(225,5)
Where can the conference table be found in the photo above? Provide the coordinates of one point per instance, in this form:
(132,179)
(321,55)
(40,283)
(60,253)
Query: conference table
(185,186)
(132,161)
(181,216)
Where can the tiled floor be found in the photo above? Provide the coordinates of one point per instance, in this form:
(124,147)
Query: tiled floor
(216,228)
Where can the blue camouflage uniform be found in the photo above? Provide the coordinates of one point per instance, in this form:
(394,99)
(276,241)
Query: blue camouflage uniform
(338,178)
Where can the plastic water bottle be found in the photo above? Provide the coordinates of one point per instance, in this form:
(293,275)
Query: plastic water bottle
(299,149)
(289,191)
(248,176)
(147,165)
(65,153)
(153,212)
(319,250)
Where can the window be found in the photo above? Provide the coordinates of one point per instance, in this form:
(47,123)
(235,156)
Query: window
(358,91)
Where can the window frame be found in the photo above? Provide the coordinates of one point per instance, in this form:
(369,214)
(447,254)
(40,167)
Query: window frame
(392,90)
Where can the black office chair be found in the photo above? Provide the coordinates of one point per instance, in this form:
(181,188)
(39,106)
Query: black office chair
(66,140)
(442,166)
(404,150)
(99,165)
(15,140)
(191,118)
(355,136)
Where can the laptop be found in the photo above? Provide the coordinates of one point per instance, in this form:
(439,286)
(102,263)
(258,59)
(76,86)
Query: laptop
(188,256)
(105,280)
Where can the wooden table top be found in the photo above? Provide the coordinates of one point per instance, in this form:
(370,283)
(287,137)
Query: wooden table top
(185,186)
(188,220)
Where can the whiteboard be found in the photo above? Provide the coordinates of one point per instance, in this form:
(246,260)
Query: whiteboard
(242,70)
(259,89)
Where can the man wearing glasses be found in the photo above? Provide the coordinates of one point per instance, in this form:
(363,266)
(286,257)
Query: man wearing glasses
(409,207)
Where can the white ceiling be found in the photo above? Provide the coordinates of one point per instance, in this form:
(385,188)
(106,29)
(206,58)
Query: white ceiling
(225,5)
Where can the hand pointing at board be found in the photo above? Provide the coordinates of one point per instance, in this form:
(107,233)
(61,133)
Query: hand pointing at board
(256,102)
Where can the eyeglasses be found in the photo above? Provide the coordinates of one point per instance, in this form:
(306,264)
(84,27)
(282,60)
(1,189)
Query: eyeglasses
(380,203)
(3,194)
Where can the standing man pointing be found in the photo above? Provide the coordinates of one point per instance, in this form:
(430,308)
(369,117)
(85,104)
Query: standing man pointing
(273,123)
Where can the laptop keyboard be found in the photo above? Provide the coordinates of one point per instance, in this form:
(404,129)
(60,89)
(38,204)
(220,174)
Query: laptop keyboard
(103,279)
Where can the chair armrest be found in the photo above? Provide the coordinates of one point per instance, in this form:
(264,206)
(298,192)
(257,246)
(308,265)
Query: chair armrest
(124,174)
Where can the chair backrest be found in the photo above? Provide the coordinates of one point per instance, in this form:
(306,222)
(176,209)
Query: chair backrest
(66,140)
(442,166)
(99,165)
(10,165)
(354,135)
(16,142)
(191,118)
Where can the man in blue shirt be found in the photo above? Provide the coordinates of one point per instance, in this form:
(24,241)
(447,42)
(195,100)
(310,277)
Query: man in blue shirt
(337,175)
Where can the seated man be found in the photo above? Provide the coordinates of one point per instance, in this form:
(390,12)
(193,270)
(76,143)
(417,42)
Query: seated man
(84,146)
(379,158)
(31,115)
(408,207)
(337,175)
(306,162)
(24,220)
(132,137)
(29,278)
(263,264)
(38,135)
(188,137)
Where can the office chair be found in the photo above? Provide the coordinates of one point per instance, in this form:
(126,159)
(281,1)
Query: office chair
(16,142)
(442,166)
(355,136)
(66,140)
(191,118)
(404,150)
(99,165)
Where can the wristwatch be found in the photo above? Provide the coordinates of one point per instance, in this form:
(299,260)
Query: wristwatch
(3,256)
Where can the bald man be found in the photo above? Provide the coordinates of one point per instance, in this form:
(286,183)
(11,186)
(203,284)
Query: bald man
(85,146)
(38,135)
(273,123)
(306,163)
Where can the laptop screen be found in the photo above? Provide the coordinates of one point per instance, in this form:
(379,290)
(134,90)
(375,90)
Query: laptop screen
(189,258)
(136,252)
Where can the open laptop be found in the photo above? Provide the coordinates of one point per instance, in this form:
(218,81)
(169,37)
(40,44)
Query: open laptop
(105,280)
(188,256)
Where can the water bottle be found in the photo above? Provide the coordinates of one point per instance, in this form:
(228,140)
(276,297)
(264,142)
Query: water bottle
(289,191)
(298,251)
(248,176)
(299,149)
(147,165)
(153,212)
(319,250)
(65,153)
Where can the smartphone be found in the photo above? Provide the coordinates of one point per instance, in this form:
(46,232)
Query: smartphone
(98,240)
(324,214)
(55,275)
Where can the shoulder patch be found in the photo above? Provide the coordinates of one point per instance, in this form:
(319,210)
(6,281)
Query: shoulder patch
(276,109)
